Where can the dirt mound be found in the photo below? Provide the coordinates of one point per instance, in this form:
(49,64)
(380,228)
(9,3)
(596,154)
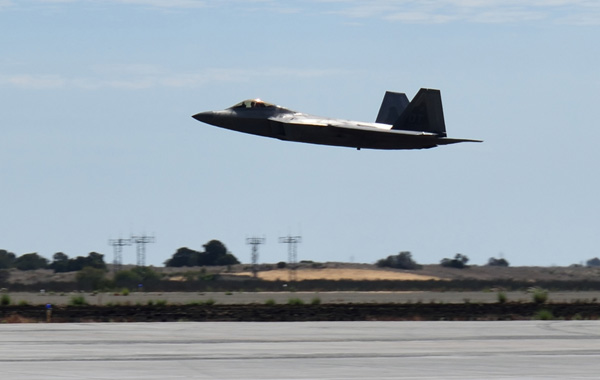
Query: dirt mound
(355,274)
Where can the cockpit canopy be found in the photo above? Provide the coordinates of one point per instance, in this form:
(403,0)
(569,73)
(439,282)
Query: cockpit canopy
(253,103)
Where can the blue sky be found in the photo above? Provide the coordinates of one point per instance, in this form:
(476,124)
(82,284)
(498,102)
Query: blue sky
(97,139)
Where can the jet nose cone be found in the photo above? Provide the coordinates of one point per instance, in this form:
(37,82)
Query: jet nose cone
(205,117)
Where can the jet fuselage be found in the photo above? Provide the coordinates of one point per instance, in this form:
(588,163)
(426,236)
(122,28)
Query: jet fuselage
(265,119)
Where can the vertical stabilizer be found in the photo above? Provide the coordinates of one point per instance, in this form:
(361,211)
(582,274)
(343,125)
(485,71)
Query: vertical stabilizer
(391,107)
(423,114)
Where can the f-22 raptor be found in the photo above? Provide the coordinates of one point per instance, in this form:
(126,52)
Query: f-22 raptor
(400,124)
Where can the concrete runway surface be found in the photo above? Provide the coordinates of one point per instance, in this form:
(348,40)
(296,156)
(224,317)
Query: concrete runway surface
(303,350)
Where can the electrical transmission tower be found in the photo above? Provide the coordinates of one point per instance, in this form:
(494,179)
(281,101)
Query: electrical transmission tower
(118,245)
(255,242)
(140,247)
(292,242)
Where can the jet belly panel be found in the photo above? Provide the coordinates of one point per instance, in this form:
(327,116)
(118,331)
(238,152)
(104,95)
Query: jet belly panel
(348,134)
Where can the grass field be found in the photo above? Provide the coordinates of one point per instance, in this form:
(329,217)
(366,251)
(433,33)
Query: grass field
(283,297)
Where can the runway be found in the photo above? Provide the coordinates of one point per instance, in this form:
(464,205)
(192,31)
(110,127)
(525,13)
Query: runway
(303,350)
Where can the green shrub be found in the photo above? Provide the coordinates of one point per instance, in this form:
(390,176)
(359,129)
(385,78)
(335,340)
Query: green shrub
(502,297)
(544,315)
(540,296)
(125,292)
(77,301)
(270,302)
(295,301)
(315,301)
(5,300)
(210,301)
(90,278)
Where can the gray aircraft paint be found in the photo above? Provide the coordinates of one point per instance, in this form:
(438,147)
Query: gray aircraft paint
(400,124)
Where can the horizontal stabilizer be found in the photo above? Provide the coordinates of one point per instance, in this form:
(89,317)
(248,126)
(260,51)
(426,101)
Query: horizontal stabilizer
(392,106)
(447,141)
(424,114)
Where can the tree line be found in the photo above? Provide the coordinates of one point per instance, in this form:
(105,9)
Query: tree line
(60,261)
(404,260)
(214,253)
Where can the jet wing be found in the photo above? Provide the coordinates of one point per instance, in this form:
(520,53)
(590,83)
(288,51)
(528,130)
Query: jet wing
(308,120)
(354,134)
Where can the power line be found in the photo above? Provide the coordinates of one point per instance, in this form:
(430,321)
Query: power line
(292,242)
(140,247)
(118,245)
(255,242)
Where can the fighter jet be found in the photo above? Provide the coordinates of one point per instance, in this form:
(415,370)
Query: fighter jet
(400,124)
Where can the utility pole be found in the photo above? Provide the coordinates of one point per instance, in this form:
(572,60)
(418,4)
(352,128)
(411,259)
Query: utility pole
(255,242)
(292,242)
(118,245)
(140,247)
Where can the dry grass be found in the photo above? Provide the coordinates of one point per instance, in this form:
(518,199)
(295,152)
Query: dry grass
(336,271)
(339,274)
(15,318)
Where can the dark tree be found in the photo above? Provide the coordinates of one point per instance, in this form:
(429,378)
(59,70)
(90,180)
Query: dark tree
(214,250)
(76,264)
(184,257)
(218,254)
(403,260)
(215,253)
(227,259)
(92,260)
(95,260)
(493,262)
(60,262)
(595,262)
(459,261)
(7,259)
(31,261)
